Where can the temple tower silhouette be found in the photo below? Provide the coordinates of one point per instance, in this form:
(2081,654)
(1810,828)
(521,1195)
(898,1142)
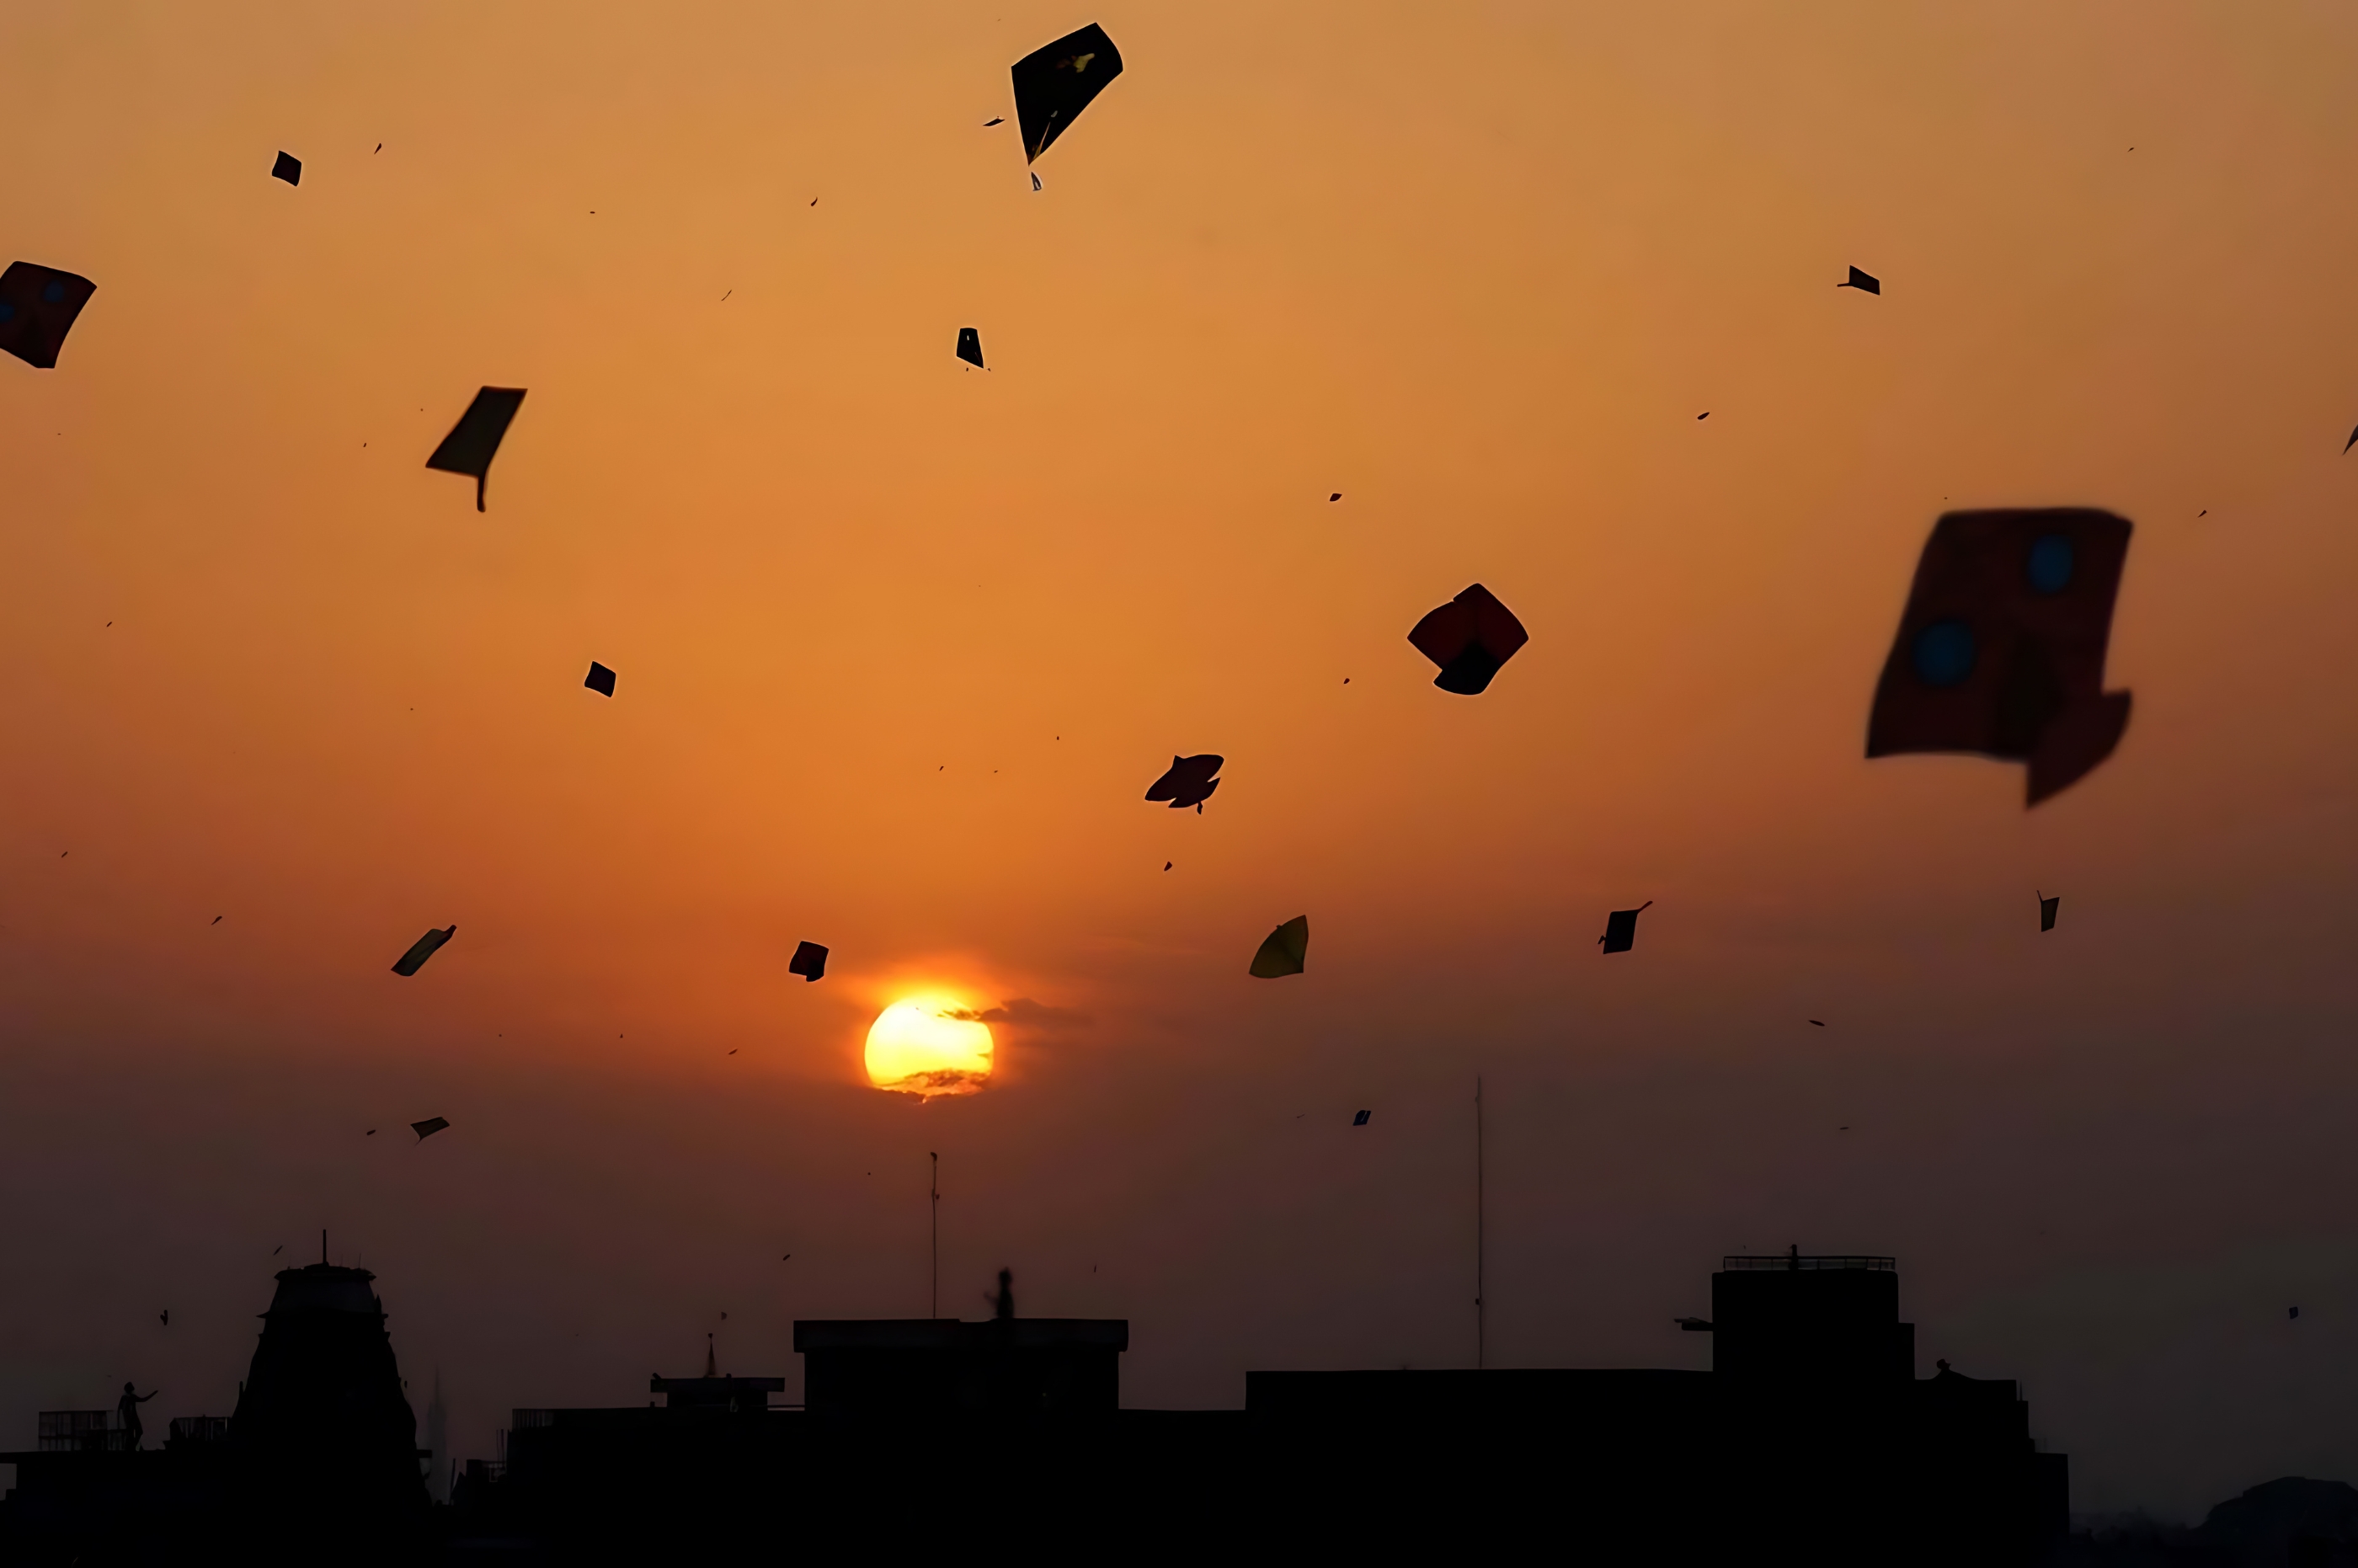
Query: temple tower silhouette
(323,1437)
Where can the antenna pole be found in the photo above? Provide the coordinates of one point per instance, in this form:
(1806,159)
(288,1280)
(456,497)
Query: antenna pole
(323,1244)
(936,1209)
(1480,1345)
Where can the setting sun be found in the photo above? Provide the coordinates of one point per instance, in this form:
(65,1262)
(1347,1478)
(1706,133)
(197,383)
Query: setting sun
(928,1045)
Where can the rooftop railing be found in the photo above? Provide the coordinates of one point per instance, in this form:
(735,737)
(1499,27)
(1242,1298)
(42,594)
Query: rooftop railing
(79,1432)
(1803,1262)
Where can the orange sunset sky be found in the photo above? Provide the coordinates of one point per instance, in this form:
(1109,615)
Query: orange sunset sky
(900,646)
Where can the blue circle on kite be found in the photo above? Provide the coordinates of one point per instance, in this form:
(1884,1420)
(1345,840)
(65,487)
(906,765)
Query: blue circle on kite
(1945,653)
(2051,563)
(55,292)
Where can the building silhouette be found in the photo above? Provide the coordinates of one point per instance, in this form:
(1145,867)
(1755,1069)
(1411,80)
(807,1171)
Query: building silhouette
(321,1448)
(1810,1439)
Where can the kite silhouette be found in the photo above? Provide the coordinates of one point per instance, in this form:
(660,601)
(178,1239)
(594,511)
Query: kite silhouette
(37,306)
(425,947)
(1187,782)
(1621,929)
(1471,638)
(1054,83)
(1283,951)
(475,439)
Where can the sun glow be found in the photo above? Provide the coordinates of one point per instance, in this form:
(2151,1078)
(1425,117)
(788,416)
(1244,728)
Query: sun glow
(929,1046)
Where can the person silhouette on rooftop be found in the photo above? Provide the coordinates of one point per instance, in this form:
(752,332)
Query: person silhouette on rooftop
(127,1410)
(1003,1303)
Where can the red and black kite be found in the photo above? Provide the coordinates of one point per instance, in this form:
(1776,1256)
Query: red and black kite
(37,306)
(1188,782)
(1054,84)
(1469,637)
(2001,650)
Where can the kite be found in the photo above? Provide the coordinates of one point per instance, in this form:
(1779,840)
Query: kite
(1470,638)
(1866,283)
(1283,950)
(425,947)
(427,1127)
(37,306)
(474,440)
(1054,83)
(2047,911)
(289,169)
(1188,782)
(1621,929)
(2352,441)
(2001,648)
(1361,1119)
(969,347)
(601,679)
(809,961)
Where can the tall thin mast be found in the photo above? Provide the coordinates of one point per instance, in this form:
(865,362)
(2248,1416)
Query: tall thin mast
(1480,1345)
(935,1209)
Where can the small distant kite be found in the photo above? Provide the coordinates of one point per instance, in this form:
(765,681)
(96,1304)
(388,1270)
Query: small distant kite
(289,169)
(1471,638)
(1621,930)
(1361,1119)
(427,1127)
(475,439)
(37,306)
(425,947)
(1054,83)
(601,679)
(1187,782)
(2001,648)
(1283,951)
(1866,283)
(2046,907)
(969,347)
(809,961)
(167,1316)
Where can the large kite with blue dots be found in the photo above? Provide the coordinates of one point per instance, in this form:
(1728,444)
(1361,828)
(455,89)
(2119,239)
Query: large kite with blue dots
(2001,650)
